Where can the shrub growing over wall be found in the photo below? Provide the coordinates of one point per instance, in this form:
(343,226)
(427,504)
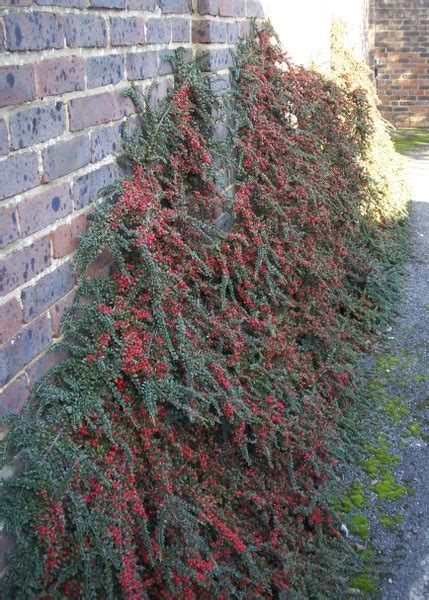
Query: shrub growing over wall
(182,449)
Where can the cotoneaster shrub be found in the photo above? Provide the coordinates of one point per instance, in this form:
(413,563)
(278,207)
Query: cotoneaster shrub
(181,450)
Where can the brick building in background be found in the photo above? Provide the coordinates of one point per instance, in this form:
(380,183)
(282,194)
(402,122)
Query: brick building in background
(63,67)
(401,55)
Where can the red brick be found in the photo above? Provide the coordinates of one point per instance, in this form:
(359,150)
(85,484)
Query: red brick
(65,239)
(18,173)
(85,31)
(60,75)
(8,226)
(11,319)
(231,8)
(42,365)
(66,3)
(24,347)
(23,265)
(158,31)
(215,59)
(142,65)
(95,110)
(16,85)
(127,32)
(44,208)
(85,188)
(58,310)
(47,290)
(16,2)
(4,141)
(176,7)
(33,31)
(35,125)
(65,157)
(104,70)
(149,5)
(105,141)
(181,30)
(107,3)
(208,7)
(208,32)
(12,399)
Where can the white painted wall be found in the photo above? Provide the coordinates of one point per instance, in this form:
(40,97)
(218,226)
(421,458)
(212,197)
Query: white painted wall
(304,26)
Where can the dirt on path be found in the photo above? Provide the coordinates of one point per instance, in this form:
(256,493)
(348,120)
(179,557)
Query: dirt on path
(405,548)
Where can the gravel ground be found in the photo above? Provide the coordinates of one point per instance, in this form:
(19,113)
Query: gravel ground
(403,371)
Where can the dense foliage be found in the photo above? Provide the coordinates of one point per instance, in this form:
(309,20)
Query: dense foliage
(182,448)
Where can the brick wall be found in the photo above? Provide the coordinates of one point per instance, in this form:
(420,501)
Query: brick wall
(63,66)
(401,50)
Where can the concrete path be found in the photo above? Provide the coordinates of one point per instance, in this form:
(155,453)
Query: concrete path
(406,552)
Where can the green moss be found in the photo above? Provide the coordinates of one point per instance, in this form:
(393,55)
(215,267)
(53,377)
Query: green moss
(359,525)
(381,459)
(419,378)
(415,429)
(362,582)
(410,140)
(357,497)
(396,409)
(388,489)
(391,521)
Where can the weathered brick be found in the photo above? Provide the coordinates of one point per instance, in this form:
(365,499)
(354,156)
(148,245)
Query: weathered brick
(104,70)
(228,8)
(85,31)
(65,157)
(159,90)
(8,226)
(158,31)
(34,31)
(208,7)
(105,141)
(45,363)
(127,32)
(107,3)
(36,125)
(58,310)
(215,59)
(85,188)
(65,3)
(149,5)
(254,10)
(2,44)
(95,110)
(17,85)
(18,173)
(219,84)
(24,347)
(208,32)
(12,399)
(232,32)
(165,64)
(65,239)
(60,75)
(176,7)
(142,65)
(16,2)
(181,30)
(239,9)
(4,141)
(23,265)
(11,319)
(47,290)
(44,208)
